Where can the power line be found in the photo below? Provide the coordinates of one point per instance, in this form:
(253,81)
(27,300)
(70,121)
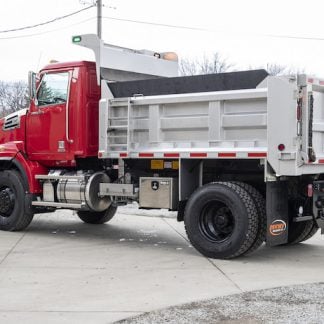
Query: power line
(295,37)
(157,24)
(45,22)
(211,30)
(47,31)
(145,23)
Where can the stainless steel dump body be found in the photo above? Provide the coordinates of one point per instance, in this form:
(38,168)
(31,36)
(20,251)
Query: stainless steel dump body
(236,124)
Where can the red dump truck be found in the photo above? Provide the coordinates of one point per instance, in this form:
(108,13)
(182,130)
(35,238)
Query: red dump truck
(239,156)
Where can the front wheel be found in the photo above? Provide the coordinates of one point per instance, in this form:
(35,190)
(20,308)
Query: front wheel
(221,220)
(91,217)
(15,209)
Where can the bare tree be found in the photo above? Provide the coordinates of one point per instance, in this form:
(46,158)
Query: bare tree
(214,64)
(3,93)
(187,67)
(275,69)
(278,69)
(205,65)
(13,96)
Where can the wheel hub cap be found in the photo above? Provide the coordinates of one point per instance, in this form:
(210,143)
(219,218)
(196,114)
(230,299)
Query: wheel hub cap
(216,222)
(7,202)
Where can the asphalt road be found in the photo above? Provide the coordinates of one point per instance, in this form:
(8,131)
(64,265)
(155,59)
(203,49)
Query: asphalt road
(64,271)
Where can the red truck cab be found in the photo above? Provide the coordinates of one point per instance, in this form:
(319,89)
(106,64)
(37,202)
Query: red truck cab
(61,124)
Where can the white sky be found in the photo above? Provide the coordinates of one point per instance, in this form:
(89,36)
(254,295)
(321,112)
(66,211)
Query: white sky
(238,30)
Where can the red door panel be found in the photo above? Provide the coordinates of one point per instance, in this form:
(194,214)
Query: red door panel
(46,122)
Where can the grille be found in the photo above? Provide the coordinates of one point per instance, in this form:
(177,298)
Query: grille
(11,122)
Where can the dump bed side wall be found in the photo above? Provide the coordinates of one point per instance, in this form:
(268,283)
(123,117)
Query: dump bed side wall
(211,122)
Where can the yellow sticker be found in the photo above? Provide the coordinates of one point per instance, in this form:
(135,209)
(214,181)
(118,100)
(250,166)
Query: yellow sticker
(175,165)
(157,164)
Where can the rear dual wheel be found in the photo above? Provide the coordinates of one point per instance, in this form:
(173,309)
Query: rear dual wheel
(299,231)
(262,215)
(222,221)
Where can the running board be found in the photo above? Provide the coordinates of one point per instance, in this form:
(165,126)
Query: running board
(57,177)
(57,205)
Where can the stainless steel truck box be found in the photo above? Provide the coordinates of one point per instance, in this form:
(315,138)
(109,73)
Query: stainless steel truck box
(158,192)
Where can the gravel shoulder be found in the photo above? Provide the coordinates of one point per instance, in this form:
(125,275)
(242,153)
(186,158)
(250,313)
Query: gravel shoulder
(295,304)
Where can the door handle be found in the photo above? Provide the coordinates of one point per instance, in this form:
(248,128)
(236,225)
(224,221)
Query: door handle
(39,112)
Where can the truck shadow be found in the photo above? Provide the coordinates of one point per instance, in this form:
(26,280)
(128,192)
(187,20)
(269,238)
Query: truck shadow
(312,249)
(150,235)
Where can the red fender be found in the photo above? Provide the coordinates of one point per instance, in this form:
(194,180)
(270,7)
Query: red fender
(13,152)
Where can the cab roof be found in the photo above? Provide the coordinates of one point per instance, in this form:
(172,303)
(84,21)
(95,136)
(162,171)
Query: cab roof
(62,65)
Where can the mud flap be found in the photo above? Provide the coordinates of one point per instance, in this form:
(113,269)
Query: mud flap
(277,213)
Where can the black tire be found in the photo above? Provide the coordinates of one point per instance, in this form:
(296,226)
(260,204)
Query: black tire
(311,233)
(221,220)
(262,215)
(299,231)
(15,208)
(91,217)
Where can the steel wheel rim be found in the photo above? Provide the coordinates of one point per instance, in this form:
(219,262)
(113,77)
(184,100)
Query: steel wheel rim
(7,201)
(216,222)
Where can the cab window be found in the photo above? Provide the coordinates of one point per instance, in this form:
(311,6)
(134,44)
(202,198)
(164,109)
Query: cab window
(53,89)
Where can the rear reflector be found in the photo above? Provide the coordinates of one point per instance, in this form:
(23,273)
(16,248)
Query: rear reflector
(146,155)
(227,154)
(202,155)
(257,154)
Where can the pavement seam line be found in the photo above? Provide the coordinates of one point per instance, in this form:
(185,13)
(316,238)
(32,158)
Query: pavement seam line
(15,245)
(225,275)
(211,262)
(185,238)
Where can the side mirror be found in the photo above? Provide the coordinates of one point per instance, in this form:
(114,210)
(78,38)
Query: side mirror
(31,85)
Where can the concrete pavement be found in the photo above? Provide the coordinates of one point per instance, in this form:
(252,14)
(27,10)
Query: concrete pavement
(64,271)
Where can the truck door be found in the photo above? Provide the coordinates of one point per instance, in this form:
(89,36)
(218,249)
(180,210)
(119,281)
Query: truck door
(46,122)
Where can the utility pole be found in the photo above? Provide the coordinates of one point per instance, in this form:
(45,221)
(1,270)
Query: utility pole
(99,18)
